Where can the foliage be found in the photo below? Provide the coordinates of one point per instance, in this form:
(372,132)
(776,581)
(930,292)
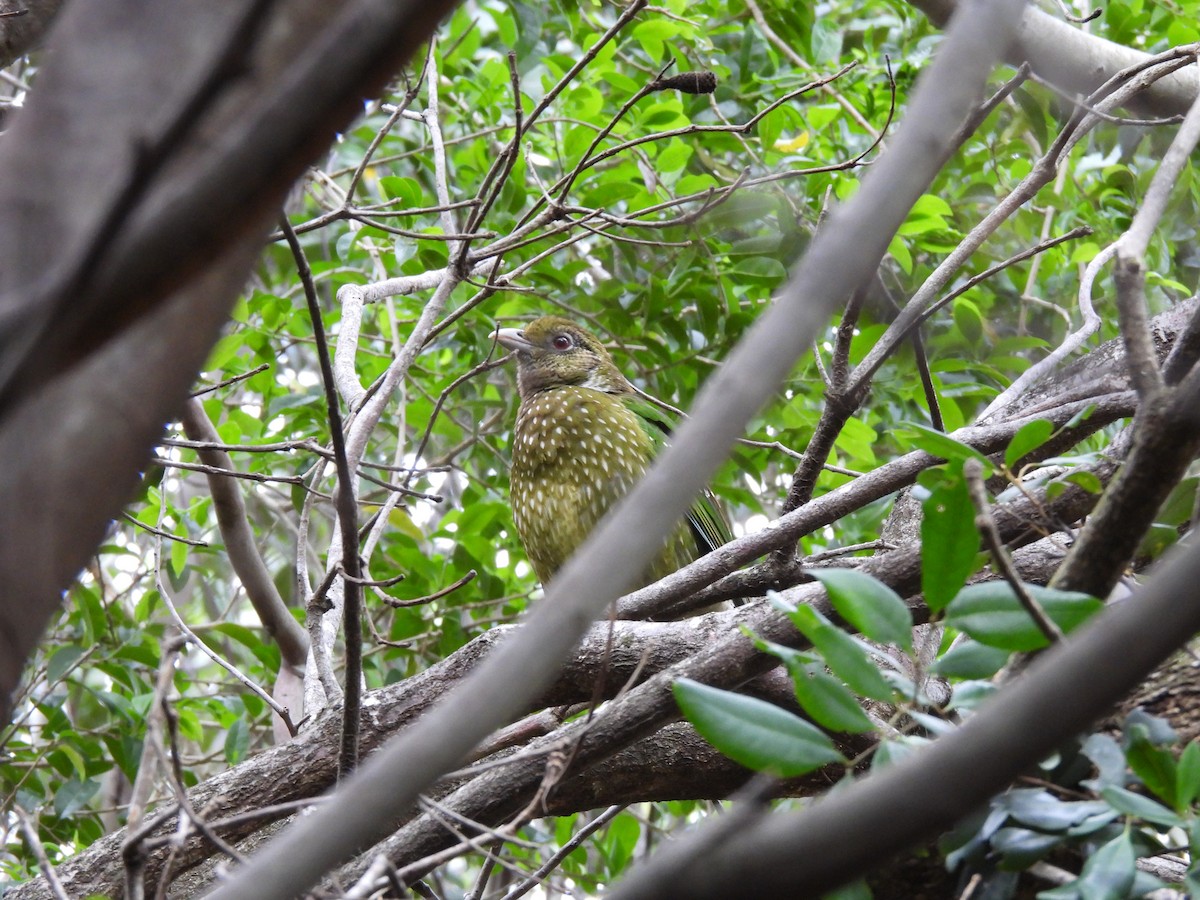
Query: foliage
(673,232)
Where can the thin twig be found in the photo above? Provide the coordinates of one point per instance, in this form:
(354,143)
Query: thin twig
(160,533)
(973,473)
(436,595)
(230,381)
(1131,250)
(801,63)
(347,514)
(281,711)
(29,829)
(535,878)
(228,473)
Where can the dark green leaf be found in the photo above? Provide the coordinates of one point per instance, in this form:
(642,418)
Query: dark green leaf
(755,733)
(969,659)
(1042,810)
(949,542)
(1140,807)
(1177,510)
(62,660)
(829,702)
(237,740)
(868,604)
(1086,480)
(846,657)
(941,445)
(1021,846)
(1027,439)
(968,320)
(1187,783)
(73,794)
(1106,754)
(1154,765)
(857,890)
(991,614)
(1109,873)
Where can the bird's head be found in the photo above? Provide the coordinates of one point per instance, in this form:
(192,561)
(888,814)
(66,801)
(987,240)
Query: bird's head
(554,352)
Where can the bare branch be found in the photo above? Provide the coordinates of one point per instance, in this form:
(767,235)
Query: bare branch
(241,544)
(973,473)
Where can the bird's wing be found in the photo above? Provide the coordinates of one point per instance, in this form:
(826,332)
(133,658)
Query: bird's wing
(706,518)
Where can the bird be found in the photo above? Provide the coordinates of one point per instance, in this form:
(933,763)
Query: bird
(583,437)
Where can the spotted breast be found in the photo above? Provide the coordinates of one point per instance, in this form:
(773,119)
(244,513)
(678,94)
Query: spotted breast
(582,439)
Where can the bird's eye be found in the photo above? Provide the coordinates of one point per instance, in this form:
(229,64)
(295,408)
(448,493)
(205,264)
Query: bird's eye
(562,342)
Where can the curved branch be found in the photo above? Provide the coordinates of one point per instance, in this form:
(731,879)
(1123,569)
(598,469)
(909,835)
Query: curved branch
(240,543)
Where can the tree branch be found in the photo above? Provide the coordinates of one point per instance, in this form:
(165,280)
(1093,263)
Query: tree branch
(240,543)
(1076,61)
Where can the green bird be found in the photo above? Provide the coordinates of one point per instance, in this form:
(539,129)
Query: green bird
(583,438)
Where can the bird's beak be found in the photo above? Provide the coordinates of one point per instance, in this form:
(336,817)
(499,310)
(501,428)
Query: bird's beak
(512,339)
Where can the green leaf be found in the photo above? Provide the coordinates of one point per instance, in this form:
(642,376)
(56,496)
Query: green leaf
(1022,846)
(970,659)
(868,604)
(651,33)
(939,444)
(1187,776)
(949,542)
(1040,809)
(846,657)
(1028,438)
(1155,765)
(856,890)
(898,250)
(1109,759)
(237,740)
(180,554)
(829,702)
(62,660)
(826,700)
(968,320)
(991,613)
(755,733)
(75,760)
(673,157)
(73,794)
(406,191)
(1086,480)
(1109,873)
(1178,507)
(1140,807)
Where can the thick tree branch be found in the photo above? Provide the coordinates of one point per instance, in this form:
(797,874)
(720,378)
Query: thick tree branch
(730,661)
(20,33)
(1073,60)
(212,201)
